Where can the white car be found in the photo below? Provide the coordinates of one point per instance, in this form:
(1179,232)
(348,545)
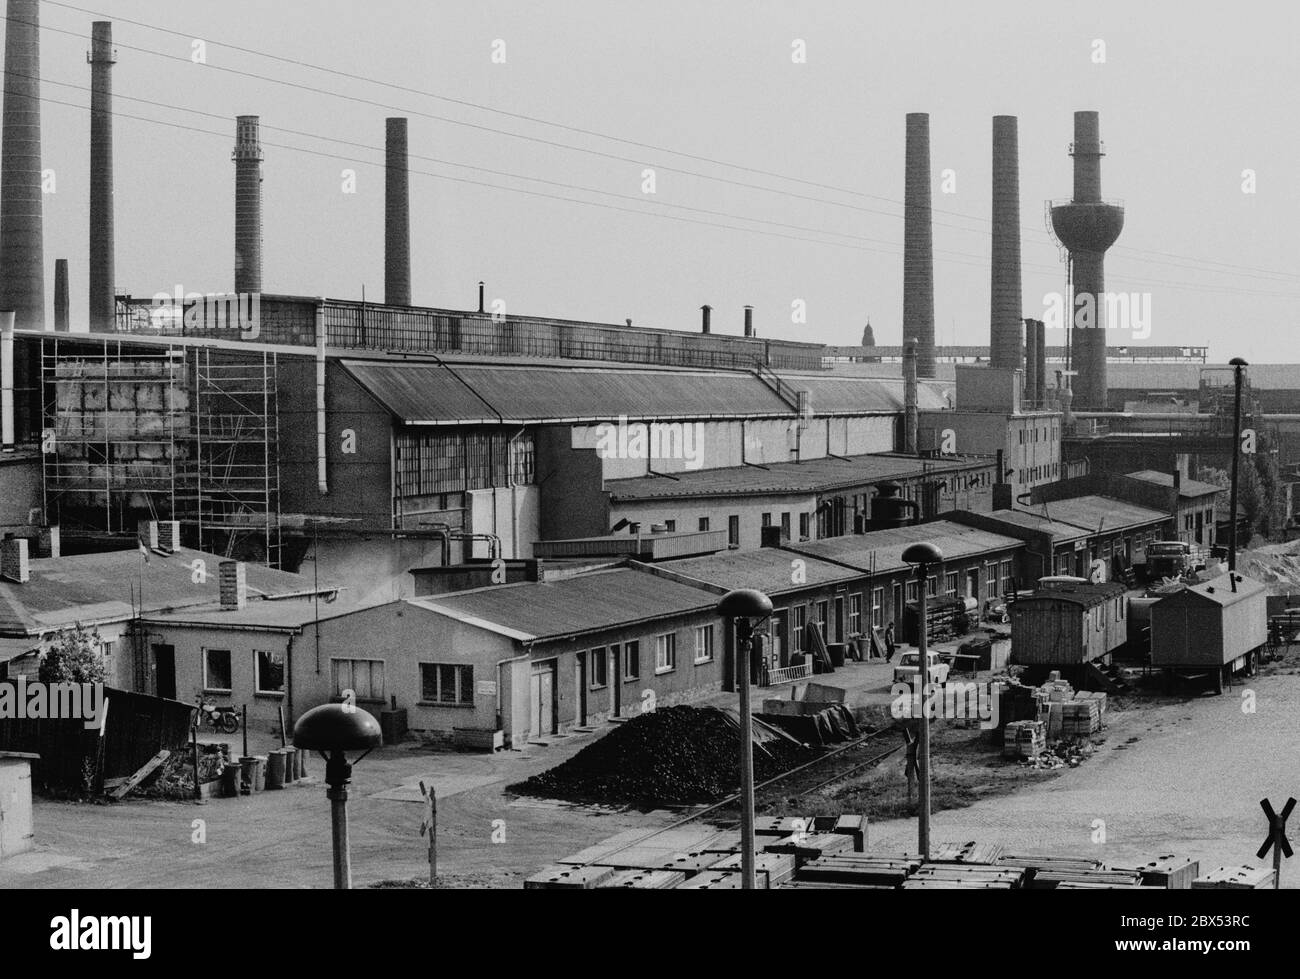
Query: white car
(909,665)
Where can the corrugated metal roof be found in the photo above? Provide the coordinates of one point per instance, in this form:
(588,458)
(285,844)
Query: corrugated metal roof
(1085,595)
(98,588)
(281,615)
(432,393)
(1098,513)
(768,569)
(784,478)
(1188,487)
(584,603)
(882,550)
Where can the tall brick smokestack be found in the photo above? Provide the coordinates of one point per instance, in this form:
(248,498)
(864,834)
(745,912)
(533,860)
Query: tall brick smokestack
(1087,227)
(397,217)
(101,177)
(910,416)
(62,317)
(1005,323)
(918,245)
(248,204)
(22,254)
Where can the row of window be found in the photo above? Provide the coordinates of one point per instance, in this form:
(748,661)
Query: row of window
(268,671)
(1040,433)
(1032,474)
(432,464)
(599,658)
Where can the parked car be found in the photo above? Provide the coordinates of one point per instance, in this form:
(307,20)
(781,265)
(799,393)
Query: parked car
(909,665)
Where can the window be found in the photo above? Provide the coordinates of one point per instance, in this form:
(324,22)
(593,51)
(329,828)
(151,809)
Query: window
(1008,583)
(932,585)
(950,584)
(268,666)
(703,643)
(704,523)
(598,660)
(445,683)
(364,677)
(805,526)
(733,530)
(671,525)
(785,525)
(855,615)
(823,613)
(912,593)
(106,648)
(800,619)
(631,660)
(878,608)
(767,520)
(665,653)
(216,670)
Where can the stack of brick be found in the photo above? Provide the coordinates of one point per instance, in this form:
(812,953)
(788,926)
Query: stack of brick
(1024,739)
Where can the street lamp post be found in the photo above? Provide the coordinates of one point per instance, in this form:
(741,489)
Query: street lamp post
(333,730)
(746,608)
(923,555)
(1238,369)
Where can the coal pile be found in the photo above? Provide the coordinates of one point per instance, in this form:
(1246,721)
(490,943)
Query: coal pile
(671,756)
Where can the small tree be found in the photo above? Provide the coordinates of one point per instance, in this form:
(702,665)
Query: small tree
(74,656)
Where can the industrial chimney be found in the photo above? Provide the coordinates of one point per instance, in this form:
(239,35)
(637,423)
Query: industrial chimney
(22,256)
(62,320)
(910,419)
(1040,349)
(248,205)
(101,178)
(397,217)
(1031,364)
(706,316)
(1087,227)
(749,321)
(918,245)
(1005,325)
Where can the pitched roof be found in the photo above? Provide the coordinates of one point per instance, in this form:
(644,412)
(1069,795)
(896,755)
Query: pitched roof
(1217,591)
(530,611)
(784,478)
(95,588)
(882,550)
(1098,514)
(281,615)
(1084,594)
(1187,487)
(768,569)
(1035,521)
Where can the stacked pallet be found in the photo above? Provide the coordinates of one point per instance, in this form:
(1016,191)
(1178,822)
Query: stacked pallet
(646,880)
(966,875)
(771,868)
(972,852)
(1170,871)
(568,878)
(860,869)
(1234,879)
(1024,739)
(717,880)
(806,847)
(1052,878)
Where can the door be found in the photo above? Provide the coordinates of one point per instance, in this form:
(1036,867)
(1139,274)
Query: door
(615,672)
(164,670)
(839,618)
(543,698)
(896,609)
(580,678)
(973,583)
(779,630)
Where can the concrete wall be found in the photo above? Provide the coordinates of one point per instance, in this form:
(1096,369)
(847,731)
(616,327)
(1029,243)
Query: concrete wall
(1030,443)
(20,489)
(511,513)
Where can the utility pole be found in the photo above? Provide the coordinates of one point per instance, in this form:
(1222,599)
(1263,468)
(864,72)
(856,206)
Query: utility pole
(1238,369)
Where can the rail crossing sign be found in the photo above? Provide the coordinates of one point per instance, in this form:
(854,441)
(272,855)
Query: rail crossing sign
(1277,841)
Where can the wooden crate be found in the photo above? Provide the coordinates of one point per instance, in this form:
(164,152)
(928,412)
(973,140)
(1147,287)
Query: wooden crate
(1170,871)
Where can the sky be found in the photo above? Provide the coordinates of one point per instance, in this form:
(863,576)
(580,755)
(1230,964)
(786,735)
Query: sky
(778,181)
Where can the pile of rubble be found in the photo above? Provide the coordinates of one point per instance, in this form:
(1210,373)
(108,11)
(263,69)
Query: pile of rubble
(1065,753)
(671,756)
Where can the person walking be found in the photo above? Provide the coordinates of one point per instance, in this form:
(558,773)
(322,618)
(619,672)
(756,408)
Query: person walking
(889,642)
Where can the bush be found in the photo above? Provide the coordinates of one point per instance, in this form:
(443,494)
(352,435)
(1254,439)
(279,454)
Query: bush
(75,656)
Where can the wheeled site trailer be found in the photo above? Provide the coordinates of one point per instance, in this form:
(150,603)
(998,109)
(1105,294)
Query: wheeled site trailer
(1215,629)
(1068,625)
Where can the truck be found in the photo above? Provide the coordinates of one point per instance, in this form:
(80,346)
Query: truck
(908,667)
(1172,559)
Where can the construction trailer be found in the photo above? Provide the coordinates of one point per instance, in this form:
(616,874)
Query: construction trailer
(1069,624)
(1213,630)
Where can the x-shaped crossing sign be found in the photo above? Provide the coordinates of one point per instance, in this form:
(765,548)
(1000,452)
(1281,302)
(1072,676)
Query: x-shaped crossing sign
(1276,828)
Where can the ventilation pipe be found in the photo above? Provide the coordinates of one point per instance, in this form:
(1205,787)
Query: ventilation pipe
(749,321)
(397,217)
(62,321)
(7,381)
(1005,323)
(22,257)
(918,244)
(322,478)
(248,205)
(481,298)
(706,313)
(102,299)
(910,418)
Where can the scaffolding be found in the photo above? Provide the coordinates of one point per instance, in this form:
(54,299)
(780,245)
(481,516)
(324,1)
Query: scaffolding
(162,433)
